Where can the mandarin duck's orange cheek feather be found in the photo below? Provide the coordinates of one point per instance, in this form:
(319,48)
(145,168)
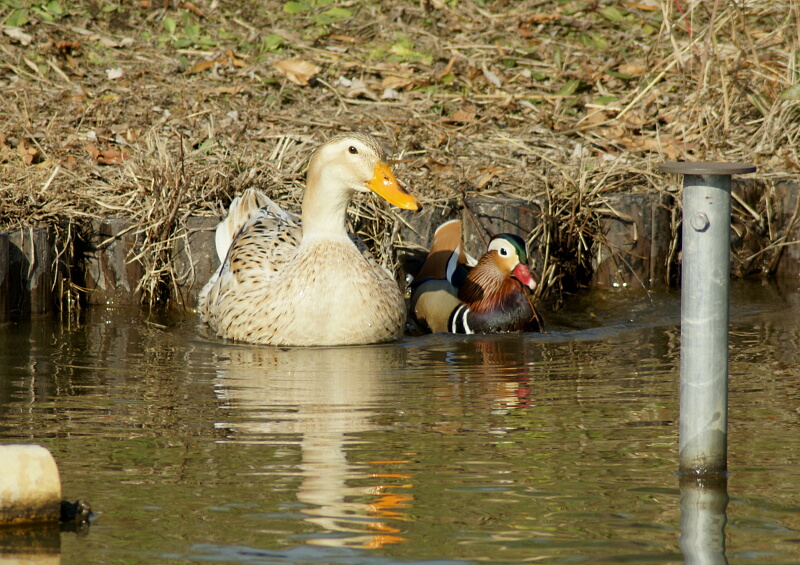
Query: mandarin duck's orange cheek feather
(291,281)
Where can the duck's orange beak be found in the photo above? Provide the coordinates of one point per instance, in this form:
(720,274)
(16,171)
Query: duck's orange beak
(386,186)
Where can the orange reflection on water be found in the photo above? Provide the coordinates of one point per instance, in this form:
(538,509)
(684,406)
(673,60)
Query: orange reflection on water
(324,398)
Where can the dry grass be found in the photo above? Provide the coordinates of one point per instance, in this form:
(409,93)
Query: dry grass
(159,110)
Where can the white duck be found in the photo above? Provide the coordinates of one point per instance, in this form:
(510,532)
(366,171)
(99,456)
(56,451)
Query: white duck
(284,281)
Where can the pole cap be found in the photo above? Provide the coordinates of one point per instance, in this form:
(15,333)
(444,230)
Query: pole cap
(706,168)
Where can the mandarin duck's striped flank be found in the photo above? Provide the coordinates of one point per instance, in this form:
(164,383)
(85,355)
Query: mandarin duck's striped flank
(284,280)
(489,299)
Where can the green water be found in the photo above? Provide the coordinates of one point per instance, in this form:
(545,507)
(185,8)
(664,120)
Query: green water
(553,448)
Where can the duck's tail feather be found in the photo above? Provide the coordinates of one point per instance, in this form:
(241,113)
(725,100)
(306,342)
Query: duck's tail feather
(242,209)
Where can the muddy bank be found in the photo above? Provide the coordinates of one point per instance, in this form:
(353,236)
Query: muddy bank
(48,268)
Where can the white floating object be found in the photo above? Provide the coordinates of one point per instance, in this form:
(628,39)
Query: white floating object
(30,487)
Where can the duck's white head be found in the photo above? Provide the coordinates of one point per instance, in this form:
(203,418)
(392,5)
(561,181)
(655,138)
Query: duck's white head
(348,163)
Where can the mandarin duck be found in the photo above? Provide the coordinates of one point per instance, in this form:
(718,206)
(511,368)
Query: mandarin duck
(289,280)
(489,298)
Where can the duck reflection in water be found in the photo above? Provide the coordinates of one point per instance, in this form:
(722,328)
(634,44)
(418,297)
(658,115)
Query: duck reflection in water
(493,370)
(325,397)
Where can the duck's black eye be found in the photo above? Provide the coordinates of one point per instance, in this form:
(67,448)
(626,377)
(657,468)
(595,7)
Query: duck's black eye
(504,252)
(352,149)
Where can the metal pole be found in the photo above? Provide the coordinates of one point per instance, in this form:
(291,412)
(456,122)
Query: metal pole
(705,281)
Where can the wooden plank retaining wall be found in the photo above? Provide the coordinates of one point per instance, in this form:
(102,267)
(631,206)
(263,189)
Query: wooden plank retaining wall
(633,249)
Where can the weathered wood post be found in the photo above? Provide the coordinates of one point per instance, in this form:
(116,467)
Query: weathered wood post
(111,278)
(32,271)
(194,259)
(705,282)
(5,287)
(787,200)
(634,246)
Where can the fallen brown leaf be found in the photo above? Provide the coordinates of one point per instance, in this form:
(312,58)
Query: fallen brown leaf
(342,38)
(192,8)
(30,155)
(106,157)
(67,47)
(70,162)
(665,145)
(73,65)
(525,27)
(297,70)
(448,69)
(443,169)
(220,90)
(397,82)
(596,117)
(634,120)
(202,66)
(632,69)
(614,131)
(791,163)
(486,177)
(228,58)
(356,88)
(461,116)
(235,60)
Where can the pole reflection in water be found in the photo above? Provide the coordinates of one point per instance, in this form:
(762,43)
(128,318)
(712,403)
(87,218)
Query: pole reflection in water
(323,399)
(703,516)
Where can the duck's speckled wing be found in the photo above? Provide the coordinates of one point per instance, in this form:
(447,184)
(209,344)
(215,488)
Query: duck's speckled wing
(263,246)
(254,241)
